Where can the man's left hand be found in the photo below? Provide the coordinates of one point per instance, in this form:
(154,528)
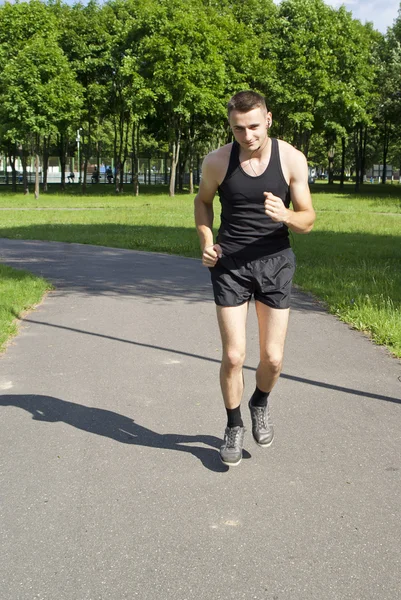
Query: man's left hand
(275,208)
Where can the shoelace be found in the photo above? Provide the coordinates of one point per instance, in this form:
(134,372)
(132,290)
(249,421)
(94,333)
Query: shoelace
(232,436)
(261,415)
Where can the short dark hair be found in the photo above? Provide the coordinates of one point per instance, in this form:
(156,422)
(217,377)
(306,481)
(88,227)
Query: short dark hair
(246,101)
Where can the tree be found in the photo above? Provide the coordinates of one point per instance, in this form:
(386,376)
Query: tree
(304,58)
(389,97)
(19,23)
(182,61)
(85,40)
(37,94)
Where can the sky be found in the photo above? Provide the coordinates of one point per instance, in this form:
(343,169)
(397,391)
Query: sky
(381,13)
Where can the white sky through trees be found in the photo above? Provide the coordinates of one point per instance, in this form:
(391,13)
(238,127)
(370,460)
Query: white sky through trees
(381,13)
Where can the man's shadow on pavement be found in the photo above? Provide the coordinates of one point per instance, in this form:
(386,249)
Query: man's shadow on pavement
(117,427)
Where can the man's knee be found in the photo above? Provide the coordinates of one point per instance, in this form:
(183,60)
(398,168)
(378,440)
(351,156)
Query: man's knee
(233,359)
(272,361)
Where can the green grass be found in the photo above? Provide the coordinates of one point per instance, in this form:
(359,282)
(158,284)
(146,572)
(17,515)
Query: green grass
(346,203)
(19,291)
(353,265)
(351,260)
(96,196)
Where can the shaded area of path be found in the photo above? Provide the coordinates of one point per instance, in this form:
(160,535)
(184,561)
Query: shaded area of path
(110,424)
(115,426)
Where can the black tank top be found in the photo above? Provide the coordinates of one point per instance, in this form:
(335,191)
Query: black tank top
(246,231)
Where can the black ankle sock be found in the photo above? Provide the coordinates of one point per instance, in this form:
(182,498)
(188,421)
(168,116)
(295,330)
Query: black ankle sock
(234,417)
(259,398)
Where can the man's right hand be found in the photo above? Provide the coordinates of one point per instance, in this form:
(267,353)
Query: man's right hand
(211,255)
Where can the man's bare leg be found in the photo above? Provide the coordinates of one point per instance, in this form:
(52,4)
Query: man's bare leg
(272,332)
(232,324)
(273,324)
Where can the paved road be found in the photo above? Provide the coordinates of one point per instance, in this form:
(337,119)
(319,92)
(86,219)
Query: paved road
(110,420)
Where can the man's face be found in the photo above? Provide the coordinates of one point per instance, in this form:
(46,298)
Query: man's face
(250,128)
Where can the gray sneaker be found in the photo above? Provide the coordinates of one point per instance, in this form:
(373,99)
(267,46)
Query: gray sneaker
(231,450)
(262,427)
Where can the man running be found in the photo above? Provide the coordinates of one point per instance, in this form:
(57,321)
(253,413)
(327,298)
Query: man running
(256,178)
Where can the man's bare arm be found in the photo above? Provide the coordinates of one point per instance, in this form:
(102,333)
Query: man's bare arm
(204,212)
(300,219)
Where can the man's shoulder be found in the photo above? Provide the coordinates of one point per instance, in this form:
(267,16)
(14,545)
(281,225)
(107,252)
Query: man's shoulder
(287,149)
(293,162)
(291,158)
(216,162)
(219,155)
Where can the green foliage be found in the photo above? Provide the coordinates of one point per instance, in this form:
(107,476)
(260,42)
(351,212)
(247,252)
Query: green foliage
(168,67)
(22,21)
(38,90)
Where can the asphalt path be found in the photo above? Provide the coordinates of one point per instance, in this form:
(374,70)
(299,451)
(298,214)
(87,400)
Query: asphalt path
(111,487)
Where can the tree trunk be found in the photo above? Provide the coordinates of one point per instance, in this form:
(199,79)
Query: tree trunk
(115,168)
(342,179)
(331,160)
(86,146)
(121,182)
(83,181)
(191,172)
(198,169)
(134,161)
(364,141)
(118,153)
(62,154)
(361,154)
(185,150)
(357,158)
(24,171)
(5,165)
(136,177)
(45,165)
(173,170)
(36,175)
(174,161)
(123,148)
(79,160)
(126,154)
(331,175)
(98,158)
(386,142)
(12,155)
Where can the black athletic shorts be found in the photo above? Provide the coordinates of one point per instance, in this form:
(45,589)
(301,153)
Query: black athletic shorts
(268,279)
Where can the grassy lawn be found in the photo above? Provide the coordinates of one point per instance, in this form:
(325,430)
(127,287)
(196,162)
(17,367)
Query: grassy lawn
(96,196)
(351,260)
(19,291)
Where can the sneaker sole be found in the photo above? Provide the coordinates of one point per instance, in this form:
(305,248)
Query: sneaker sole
(263,445)
(230,464)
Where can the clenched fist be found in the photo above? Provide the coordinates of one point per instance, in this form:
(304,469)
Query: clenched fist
(275,208)
(211,255)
